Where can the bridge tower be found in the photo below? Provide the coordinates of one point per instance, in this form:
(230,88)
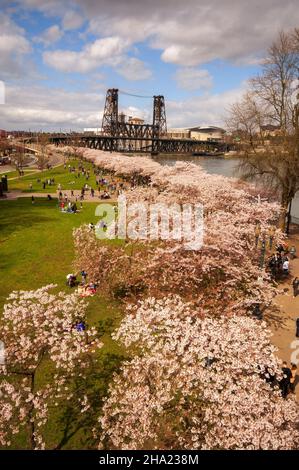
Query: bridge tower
(110,116)
(159,117)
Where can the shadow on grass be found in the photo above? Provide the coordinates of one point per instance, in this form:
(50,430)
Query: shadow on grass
(95,386)
(12,220)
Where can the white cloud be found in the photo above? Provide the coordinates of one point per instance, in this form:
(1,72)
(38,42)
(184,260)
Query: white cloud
(13,47)
(106,51)
(193,79)
(50,35)
(209,109)
(134,69)
(37,107)
(72,20)
(194,32)
(188,33)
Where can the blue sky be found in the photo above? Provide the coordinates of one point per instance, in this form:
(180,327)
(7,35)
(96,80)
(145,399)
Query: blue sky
(58,58)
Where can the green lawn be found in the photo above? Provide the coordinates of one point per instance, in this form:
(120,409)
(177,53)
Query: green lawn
(61,176)
(37,249)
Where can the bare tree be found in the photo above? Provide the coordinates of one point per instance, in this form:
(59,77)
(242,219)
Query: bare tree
(272,159)
(74,144)
(19,158)
(273,86)
(42,155)
(246,119)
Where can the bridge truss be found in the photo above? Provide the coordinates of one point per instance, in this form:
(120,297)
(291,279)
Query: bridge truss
(138,145)
(121,136)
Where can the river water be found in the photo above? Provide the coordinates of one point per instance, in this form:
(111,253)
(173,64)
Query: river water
(218,166)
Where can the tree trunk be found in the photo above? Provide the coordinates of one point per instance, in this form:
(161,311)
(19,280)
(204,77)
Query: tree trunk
(289,218)
(285,201)
(31,419)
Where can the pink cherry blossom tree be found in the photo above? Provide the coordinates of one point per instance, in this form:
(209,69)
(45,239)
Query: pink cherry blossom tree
(201,368)
(38,328)
(196,384)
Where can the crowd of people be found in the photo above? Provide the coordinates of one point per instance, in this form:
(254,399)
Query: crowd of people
(84,288)
(68,206)
(104,188)
(278,263)
(79,172)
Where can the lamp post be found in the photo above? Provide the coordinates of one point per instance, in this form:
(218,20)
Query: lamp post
(263,252)
(257,233)
(261,242)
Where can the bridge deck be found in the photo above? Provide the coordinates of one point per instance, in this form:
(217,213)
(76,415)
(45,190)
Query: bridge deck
(146,144)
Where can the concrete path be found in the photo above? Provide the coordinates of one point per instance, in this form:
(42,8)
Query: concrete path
(283,325)
(12,195)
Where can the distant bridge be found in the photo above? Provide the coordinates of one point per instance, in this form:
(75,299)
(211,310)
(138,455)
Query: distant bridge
(139,143)
(119,135)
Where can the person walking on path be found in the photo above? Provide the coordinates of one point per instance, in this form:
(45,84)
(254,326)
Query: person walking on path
(284,384)
(295,285)
(285,267)
(292,252)
(293,377)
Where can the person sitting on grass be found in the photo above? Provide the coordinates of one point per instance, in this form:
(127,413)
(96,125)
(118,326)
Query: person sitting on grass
(92,287)
(87,290)
(71,280)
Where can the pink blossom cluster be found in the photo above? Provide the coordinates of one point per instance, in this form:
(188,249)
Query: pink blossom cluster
(200,368)
(37,327)
(196,384)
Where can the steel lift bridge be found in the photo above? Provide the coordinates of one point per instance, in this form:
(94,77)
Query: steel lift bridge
(118,135)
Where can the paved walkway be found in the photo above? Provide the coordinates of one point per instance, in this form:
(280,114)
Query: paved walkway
(12,195)
(284,324)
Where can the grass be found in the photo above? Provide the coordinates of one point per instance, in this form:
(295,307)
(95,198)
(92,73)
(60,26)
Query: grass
(37,249)
(61,176)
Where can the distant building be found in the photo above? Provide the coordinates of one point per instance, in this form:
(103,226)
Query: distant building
(205,133)
(3,134)
(136,120)
(178,133)
(269,130)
